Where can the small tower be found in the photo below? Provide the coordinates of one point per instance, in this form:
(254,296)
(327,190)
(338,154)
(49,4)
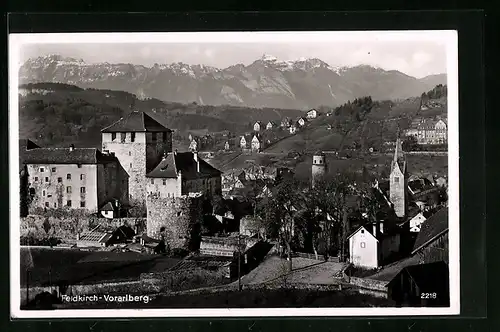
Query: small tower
(398,181)
(318,168)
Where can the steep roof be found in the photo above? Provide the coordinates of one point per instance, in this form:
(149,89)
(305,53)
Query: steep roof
(66,156)
(429,276)
(25,145)
(136,122)
(433,227)
(108,207)
(184,162)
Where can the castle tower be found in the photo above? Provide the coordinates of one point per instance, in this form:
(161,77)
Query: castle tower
(139,142)
(398,181)
(318,168)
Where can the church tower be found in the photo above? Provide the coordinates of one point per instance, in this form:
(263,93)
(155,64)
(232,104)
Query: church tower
(398,182)
(318,168)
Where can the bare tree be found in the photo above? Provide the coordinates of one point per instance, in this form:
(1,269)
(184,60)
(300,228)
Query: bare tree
(330,199)
(281,211)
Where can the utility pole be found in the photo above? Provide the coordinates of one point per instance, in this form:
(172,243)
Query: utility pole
(27,287)
(239,262)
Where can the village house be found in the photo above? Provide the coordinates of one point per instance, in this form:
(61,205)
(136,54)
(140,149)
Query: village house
(100,238)
(312,114)
(193,146)
(429,131)
(286,122)
(73,178)
(431,244)
(370,247)
(257,143)
(301,122)
(416,222)
(227,146)
(180,173)
(292,130)
(258,126)
(270,125)
(245,142)
(109,211)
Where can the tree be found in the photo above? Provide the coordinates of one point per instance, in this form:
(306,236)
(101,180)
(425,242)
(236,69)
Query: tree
(281,211)
(329,197)
(410,144)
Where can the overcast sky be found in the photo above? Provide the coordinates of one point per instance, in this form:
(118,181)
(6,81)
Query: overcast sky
(417,59)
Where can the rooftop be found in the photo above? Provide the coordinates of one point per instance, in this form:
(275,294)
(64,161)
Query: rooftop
(66,156)
(136,122)
(184,162)
(434,226)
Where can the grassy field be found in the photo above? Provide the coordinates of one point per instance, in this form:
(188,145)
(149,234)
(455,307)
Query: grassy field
(85,267)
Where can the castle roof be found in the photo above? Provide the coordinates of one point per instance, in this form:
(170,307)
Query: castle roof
(433,227)
(136,122)
(66,156)
(186,164)
(25,145)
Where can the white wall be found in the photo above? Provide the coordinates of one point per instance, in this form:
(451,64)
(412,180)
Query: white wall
(367,256)
(58,190)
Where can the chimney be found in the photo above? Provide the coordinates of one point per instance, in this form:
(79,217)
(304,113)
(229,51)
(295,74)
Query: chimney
(375,229)
(175,152)
(195,157)
(78,236)
(381,227)
(71,147)
(164,156)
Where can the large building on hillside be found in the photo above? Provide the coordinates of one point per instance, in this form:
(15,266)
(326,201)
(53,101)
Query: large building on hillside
(73,178)
(138,141)
(429,131)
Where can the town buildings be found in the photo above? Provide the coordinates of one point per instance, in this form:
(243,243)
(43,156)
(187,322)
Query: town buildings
(73,178)
(370,247)
(429,130)
(301,122)
(257,143)
(258,126)
(181,173)
(312,114)
(270,125)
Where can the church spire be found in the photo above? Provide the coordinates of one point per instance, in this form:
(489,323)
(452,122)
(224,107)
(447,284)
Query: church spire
(398,151)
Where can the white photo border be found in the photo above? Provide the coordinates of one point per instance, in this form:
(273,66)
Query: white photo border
(448,37)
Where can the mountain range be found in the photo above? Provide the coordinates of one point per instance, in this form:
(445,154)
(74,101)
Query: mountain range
(267,82)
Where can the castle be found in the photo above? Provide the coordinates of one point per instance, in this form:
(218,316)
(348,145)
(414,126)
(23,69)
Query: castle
(136,168)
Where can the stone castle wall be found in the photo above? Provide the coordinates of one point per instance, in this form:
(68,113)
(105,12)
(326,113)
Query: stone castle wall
(181,217)
(67,227)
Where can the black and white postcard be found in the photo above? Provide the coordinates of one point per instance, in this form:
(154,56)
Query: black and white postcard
(233,174)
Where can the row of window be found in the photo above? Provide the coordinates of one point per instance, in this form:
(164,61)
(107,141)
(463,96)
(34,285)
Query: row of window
(164,181)
(123,136)
(68,190)
(68,204)
(53,169)
(59,179)
(169,195)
